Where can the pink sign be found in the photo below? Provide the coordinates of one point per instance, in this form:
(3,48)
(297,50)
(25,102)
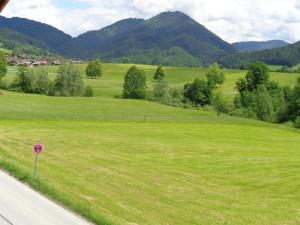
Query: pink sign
(38,148)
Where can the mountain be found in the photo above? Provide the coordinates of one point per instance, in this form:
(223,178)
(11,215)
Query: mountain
(19,44)
(43,33)
(253,46)
(169,38)
(284,56)
(159,34)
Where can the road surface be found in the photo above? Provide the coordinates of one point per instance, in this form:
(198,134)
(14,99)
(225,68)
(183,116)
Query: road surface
(20,205)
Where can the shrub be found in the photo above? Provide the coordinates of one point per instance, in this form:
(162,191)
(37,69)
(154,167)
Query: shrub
(42,82)
(25,80)
(245,113)
(160,89)
(220,102)
(198,92)
(89,92)
(264,106)
(4,85)
(126,60)
(297,122)
(3,67)
(52,89)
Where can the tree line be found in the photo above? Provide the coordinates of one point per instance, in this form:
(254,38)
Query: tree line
(258,97)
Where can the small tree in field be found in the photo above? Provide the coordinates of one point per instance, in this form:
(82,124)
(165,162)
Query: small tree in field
(134,86)
(94,69)
(159,74)
(3,68)
(215,76)
(69,81)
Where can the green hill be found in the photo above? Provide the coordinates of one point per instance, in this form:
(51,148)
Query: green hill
(254,46)
(284,56)
(16,43)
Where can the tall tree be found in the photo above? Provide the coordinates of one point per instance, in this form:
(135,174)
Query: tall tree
(94,69)
(215,76)
(257,75)
(134,86)
(69,81)
(3,67)
(264,106)
(219,101)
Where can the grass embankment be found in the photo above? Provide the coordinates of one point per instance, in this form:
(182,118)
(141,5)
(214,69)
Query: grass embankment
(181,166)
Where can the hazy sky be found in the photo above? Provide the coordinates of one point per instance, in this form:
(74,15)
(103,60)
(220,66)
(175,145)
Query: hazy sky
(232,20)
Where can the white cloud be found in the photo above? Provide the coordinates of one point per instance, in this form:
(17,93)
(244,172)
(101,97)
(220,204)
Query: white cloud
(233,20)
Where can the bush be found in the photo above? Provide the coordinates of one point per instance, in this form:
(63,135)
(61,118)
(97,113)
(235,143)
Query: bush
(3,67)
(198,92)
(42,82)
(245,113)
(25,80)
(134,86)
(160,89)
(4,85)
(89,92)
(264,106)
(220,102)
(126,60)
(52,89)
(297,122)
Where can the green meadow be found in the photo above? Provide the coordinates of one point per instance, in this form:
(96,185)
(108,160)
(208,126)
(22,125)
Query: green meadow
(139,162)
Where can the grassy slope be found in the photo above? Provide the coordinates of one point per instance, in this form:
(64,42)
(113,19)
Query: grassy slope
(182,166)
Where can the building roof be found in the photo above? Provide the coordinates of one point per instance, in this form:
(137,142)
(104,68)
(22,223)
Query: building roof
(3,4)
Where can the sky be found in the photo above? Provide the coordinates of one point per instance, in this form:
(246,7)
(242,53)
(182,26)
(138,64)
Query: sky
(232,20)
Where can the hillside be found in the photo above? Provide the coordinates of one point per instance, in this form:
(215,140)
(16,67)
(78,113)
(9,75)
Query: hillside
(177,166)
(18,43)
(284,56)
(253,46)
(169,38)
(43,33)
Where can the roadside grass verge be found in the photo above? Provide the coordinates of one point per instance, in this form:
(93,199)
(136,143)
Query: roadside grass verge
(53,194)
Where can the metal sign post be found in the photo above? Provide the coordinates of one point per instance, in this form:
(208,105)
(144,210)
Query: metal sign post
(38,148)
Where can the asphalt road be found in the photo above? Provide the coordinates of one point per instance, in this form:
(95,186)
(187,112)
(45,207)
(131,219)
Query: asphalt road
(20,205)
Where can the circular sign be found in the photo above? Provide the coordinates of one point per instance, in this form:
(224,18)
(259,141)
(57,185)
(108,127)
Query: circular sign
(38,148)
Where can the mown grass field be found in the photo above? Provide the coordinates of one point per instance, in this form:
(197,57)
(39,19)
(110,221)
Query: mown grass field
(138,162)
